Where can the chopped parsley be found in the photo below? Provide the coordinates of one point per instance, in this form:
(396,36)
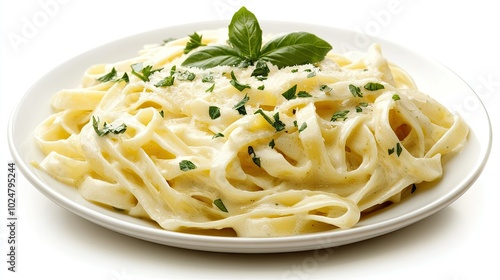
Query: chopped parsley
(211,88)
(355,91)
(302,127)
(325,88)
(108,77)
(398,150)
(186,76)
(340,115)
(360,106)
(195,40)
(143,72)
(217,135)
(218,202)
(169,80)
(303,94)
(290,93)
(272,144)
(208,78)
(214,112)
(111,77)
(373,86)
(240,106)
(234,82)
(186,165)
(312,74)
(276,123)
(255,159)
(396,97)
(106,129)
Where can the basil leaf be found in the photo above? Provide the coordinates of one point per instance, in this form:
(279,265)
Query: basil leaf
(212,56)
(245,34)
(294,49)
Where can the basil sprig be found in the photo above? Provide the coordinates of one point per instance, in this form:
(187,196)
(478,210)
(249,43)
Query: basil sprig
(245,47)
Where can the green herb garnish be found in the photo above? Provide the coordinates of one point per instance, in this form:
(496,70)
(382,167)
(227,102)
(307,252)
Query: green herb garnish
(214,112)
(143,72)
(234,82)
(240,106)
(217,135)
(111,77)
(218,202)
(245,47)
(302,127)
(194,42)
(325,88)
(373,86)
(261,69)
(398,149)
(186,76)
(186,165)
(211,88)
(106,129)
(169,80)
(303,94)
(272,144)
(339,115)
(255,159)
(108,77)
(276,123)
(355,91)
(290,93)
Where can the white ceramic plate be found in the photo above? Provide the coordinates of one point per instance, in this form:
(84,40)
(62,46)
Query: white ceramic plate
(460,172)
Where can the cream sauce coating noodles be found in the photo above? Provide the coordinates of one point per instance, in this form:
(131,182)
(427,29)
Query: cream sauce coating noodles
(202,156)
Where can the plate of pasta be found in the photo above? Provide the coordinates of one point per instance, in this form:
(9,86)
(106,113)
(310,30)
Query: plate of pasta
(251,137)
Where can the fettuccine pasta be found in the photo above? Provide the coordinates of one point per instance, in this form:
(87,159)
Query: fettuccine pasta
(219,151)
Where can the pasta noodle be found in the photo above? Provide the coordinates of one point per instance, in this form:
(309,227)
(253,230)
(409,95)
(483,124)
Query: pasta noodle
(307,149)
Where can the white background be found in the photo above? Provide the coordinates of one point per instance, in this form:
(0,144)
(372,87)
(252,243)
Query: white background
(459,242)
